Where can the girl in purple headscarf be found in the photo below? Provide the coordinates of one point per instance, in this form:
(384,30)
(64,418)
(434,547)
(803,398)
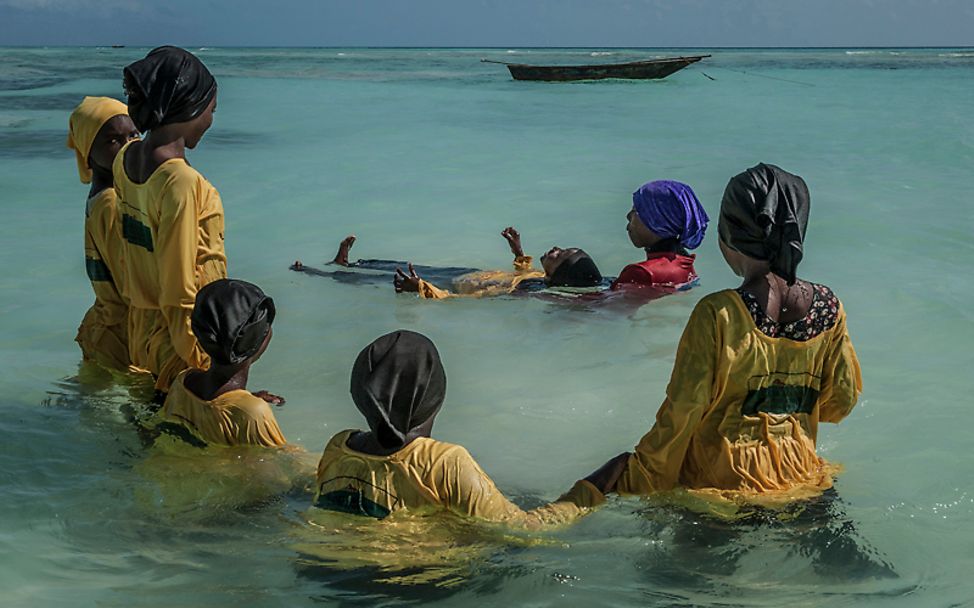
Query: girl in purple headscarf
(666,220)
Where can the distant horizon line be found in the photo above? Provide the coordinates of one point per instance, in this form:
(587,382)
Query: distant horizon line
(504,47)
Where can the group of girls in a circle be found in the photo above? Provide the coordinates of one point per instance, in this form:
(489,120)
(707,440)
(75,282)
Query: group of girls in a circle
(757,369)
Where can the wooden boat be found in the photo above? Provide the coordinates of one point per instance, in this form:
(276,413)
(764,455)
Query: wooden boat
(650,69)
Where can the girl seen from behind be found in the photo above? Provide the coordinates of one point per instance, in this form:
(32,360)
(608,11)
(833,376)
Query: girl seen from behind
(172,217)
(398,384)
(758,367)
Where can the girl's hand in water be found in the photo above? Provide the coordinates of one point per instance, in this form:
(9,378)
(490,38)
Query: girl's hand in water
(513,238)
(406,282)
(270,398)
(605,477)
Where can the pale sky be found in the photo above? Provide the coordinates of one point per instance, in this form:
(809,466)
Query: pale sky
(475,23)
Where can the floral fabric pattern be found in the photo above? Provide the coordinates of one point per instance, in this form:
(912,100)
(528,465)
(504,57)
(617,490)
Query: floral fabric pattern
(820,318)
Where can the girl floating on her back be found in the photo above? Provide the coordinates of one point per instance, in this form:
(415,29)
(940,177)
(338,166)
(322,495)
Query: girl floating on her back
(666,220)
(758,367)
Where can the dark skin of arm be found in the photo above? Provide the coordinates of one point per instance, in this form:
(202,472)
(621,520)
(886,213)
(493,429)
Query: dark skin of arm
(513,238)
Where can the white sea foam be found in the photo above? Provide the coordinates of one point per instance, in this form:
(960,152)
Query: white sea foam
(600,54)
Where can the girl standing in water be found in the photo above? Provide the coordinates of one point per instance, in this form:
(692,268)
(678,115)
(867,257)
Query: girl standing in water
(666,220)
(172,217)
(97,130)
(758,367)
(399,385)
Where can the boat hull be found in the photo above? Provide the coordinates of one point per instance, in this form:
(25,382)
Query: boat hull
(637,70)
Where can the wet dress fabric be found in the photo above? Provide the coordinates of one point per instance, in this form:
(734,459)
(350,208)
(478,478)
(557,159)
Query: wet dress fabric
(235,418)
(483,283)
(103,334)
(172,227)
(742,408)
(661,269)
(430,474)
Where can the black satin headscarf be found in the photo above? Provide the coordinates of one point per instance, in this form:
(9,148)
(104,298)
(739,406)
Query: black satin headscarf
(398,383)
(169,85)
(231,318)
(578,270)
(764,214)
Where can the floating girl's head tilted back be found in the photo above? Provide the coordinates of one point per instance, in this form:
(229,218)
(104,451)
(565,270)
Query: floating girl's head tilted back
(170,85)
(398,384)
(232,320)
(763,216)
(570,267)
(670,211)
(97,130)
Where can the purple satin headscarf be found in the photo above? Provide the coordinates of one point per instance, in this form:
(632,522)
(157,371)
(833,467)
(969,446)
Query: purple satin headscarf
(671,210)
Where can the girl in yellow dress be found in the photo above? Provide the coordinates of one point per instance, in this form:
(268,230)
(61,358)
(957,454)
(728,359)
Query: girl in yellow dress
(399,385)
(232,322)
(758,367)
(98,128)
(171,216)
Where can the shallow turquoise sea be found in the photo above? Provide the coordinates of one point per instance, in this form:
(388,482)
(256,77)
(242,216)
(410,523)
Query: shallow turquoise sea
(426,155)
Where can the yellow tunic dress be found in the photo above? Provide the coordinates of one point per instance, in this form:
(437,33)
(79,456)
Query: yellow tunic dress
(232,419)
(430,473)
(485,282)
(742,409)
(103,334)
(172,228)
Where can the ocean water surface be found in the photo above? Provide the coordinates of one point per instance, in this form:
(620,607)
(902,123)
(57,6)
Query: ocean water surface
(426,155)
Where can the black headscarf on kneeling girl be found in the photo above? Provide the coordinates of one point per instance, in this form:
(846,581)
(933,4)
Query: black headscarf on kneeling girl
(398,383)
(231,319)
(763,215)
(578,270)
(169,85)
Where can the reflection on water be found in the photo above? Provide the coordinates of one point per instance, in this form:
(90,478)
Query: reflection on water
(810,541)
(412,556)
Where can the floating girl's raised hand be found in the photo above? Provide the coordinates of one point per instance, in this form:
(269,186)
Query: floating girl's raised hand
(404,282)
(513,238)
